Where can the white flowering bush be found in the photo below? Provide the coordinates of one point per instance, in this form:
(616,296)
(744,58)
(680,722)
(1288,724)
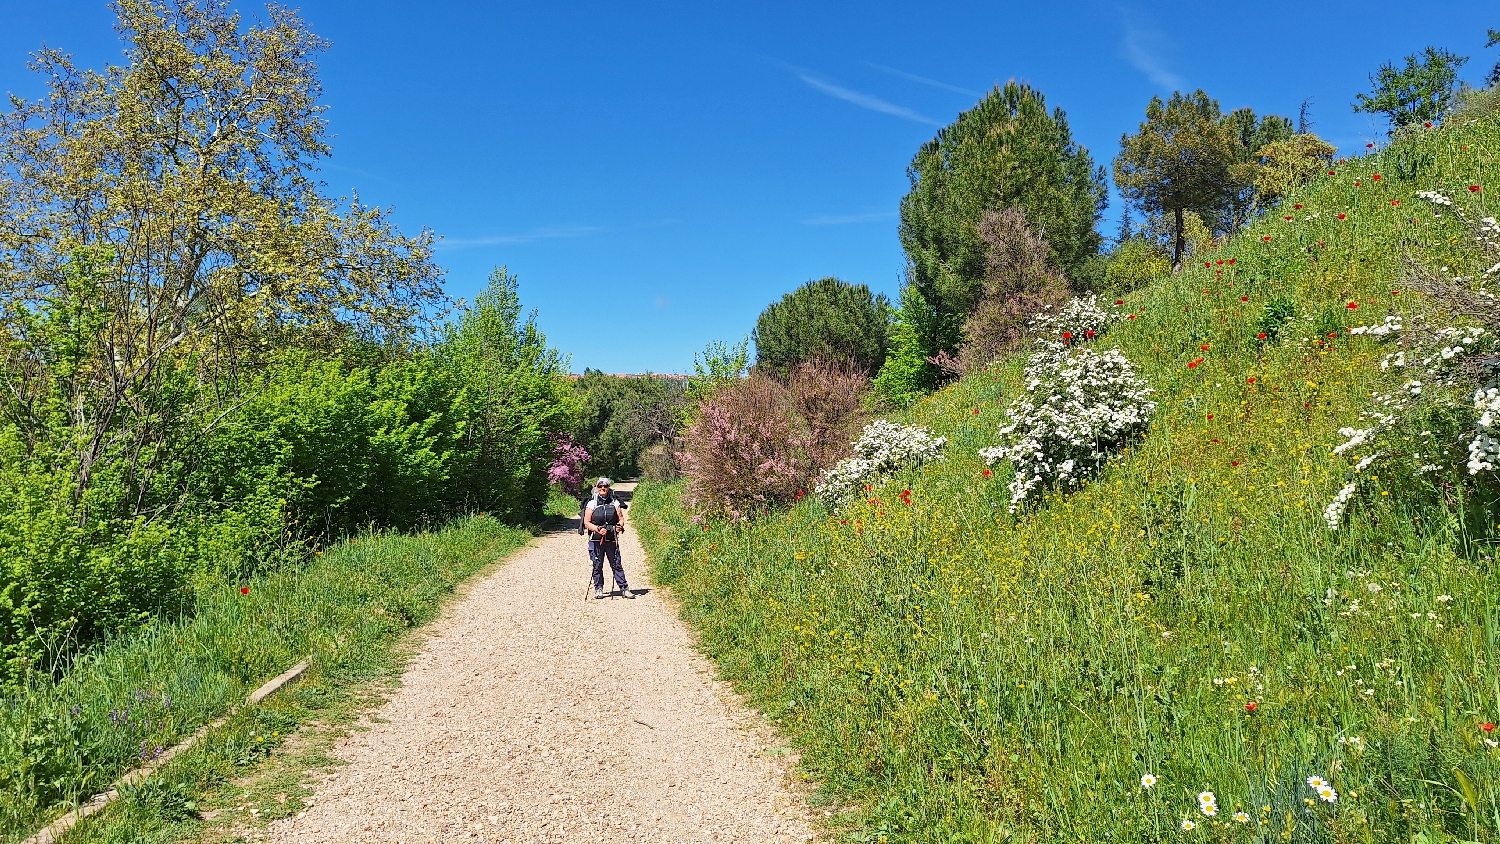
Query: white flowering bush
(1083,318)
(1078,409)
(883,448)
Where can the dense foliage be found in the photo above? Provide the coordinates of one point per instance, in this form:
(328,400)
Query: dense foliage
(209,367)
(1007,151)
(622,418)
(1183,644)
(828,319)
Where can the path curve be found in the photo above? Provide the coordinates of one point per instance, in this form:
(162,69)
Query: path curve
(531,715)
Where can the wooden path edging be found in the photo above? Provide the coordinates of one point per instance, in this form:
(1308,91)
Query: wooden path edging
(57,828)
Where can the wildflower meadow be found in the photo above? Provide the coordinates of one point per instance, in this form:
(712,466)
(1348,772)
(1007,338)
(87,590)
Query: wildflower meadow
(1267,611)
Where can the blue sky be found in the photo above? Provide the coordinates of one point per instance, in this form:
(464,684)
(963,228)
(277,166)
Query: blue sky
(657,173)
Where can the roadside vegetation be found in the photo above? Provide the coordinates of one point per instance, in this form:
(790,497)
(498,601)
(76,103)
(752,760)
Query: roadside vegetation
(1208,557)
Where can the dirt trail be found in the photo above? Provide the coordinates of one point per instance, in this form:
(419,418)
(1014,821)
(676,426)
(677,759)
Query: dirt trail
(531,715)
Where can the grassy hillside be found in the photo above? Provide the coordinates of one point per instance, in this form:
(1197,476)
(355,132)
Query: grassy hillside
(969,675)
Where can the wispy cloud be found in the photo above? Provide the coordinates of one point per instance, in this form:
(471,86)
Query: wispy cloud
(869,101)
(1143,47)
(844,219)
(545,233)
(924,80)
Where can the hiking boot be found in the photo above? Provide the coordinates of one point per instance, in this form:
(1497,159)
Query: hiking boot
(626,593)
(598,594)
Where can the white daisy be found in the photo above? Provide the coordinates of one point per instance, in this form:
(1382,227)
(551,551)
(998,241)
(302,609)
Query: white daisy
(1148,780)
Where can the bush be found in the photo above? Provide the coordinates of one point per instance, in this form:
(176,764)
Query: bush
(1020,280)
(756,443)
(827,319)
(1134,263)
(883,449)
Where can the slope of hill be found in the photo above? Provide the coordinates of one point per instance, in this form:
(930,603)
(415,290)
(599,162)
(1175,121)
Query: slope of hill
(1183,646)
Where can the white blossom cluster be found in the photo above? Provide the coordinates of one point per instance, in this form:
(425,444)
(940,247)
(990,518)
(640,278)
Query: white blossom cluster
(1079,408)
(1434,197)
(1427,361)
(1082,318)
(883,448)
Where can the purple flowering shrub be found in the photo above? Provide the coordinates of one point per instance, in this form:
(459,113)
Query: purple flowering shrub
(566,469)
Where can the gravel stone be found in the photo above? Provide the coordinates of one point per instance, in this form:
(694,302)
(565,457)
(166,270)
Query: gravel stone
(532,715)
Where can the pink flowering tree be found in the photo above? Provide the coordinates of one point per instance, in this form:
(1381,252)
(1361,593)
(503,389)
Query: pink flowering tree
(566,469)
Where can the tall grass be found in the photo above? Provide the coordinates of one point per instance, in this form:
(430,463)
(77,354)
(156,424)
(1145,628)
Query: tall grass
(965,675)
(123,702)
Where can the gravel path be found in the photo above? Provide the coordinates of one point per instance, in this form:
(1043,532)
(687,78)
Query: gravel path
(531,715)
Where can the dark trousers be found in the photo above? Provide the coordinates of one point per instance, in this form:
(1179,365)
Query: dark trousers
(597,552)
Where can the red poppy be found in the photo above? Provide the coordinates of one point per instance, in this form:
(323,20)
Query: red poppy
(1220,261)
(1341,216)
(1395,202)
(1261,336)
(1130,316)
(1351,306)
(1231,261)
(1250,380)
(1288,218)
(244,590)
(1267,238)
(1207,264)
(1298,206)
(1395,293)
(1376,177)
(1427,124)
(1194,364)
(1305,404)
(987,473)
(1210,416)
(1333,334)
(1244,298)
(1473,188)
(1251,706)
(1119,301)
(1487,727)
(1320,243)
(976,411)
(1332,173)
(1067,335)
(1089,333)
(1235,464)
(1356,183)
(1369,146)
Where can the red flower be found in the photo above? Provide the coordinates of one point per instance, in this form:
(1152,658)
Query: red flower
(1376,177)
(1395,293)
(1067,335)
(1231,261)
(1251,706)
(1341,216)
(1220,261)
(1356,183)
(244,590)
(1194,364)
(1267,238)
(1351,306)
(1333,334)
(1089,333)
(1130,316)
(1395,202)
(1250,380)
(1244,298)
(1261,336)
(1119,301)
(1305,404)
(1487,727)
(976,411)
(1235,464)
(1298,206)
(1473,188)
(1207,264)
(1332,173)
(1288,218)
(987,473)
(1369,146)
(1204,347)
(1427,125)
(1210,416)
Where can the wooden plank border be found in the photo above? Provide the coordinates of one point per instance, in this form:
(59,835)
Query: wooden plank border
(59,827)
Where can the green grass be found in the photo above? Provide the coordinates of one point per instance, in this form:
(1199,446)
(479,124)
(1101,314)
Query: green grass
(348,610)
(964,675)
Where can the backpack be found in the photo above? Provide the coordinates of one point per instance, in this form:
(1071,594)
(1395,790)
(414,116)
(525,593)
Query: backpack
(583,507)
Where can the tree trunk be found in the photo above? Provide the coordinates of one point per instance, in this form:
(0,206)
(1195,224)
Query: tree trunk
(1178,246)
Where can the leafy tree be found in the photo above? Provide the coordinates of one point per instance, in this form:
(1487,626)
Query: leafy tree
(907,373)
(1253,135)
(827,319)
(1417,93)
(1288,164)
(167,212)
(1008,151)
(622,417)
(1134,263)
(1186,157)
(1494,78)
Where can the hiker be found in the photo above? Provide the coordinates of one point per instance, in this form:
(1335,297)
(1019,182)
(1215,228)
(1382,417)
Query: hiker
(604,520)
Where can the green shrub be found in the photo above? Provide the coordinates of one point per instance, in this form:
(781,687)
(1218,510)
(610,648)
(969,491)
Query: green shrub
(1133,264)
